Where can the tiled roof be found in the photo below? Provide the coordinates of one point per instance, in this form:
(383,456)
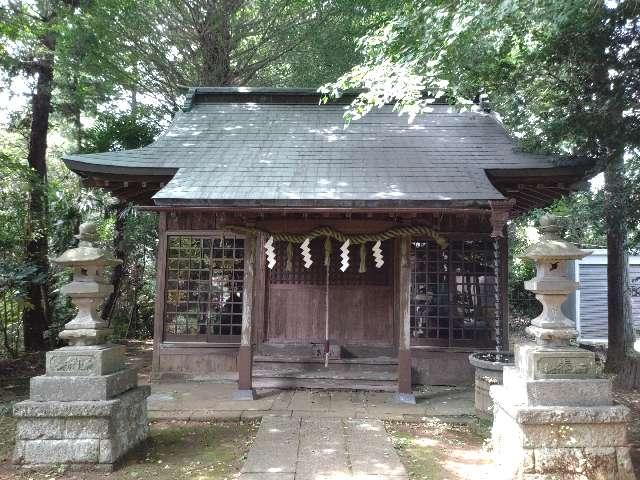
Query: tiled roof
(301,154)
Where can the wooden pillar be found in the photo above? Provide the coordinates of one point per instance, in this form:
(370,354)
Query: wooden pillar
(405,390)
(500,213)
(245,354)
(259,293)
(503,290)
(161,275)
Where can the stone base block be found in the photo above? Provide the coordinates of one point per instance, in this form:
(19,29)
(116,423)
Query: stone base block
(580,464)
(586,392)
(68,389)
(407,398)
(244,394)
(89,360)
(82,433)
(539,362)
(549,443)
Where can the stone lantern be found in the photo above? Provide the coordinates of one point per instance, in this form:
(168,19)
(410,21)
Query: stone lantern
(554,416)
(88,289)
(551,284)
(87,410)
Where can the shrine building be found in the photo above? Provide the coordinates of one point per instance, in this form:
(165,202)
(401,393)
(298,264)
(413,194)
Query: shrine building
(298,251)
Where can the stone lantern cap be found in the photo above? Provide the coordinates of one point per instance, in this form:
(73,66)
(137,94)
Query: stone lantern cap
(551,248)
(85,254)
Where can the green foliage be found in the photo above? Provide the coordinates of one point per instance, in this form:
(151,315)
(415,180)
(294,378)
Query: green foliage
(521,302)
(113,132)
(538,61)
(169,44)
(13,188)
(133,316)
(14,272)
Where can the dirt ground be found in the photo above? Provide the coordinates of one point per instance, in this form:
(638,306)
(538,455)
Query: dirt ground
(437,450)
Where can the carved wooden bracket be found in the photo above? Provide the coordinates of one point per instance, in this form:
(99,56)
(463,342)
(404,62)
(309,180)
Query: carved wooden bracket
(500,213)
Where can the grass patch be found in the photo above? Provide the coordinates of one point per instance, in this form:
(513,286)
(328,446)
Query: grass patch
(437,450)
(207,451)
(174,451)
(420,461)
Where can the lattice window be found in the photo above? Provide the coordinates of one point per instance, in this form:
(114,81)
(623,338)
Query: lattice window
(453,293)
(204,285)
(430,292)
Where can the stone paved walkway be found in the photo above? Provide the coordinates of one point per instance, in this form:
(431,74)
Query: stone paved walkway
(288,448)
(206,401)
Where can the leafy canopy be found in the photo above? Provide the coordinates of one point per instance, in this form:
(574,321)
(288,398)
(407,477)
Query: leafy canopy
(564,74)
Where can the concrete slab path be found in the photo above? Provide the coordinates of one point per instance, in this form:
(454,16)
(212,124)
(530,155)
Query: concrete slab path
(302,448)
(208,401)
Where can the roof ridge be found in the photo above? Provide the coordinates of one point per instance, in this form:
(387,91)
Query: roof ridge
(270,95)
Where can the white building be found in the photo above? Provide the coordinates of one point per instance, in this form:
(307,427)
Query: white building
(588,305)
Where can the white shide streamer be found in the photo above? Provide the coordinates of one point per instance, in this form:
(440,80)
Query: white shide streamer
(345,255)
(377,254)
(306,253)
(271,253)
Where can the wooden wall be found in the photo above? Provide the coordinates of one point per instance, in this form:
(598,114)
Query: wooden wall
(360,313)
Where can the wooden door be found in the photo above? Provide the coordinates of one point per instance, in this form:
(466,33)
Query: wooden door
(360,304)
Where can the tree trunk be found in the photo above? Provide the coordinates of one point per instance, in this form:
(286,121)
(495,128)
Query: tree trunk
(134,100)
(35,318)
(77,112)
(118,271)
(620,321)
(215,38)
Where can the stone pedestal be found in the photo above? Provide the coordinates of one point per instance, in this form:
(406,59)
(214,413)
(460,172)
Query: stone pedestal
(554,418)
(80,434)
(87,411)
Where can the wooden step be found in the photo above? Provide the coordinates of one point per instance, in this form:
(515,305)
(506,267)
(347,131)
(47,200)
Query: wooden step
(382,360)
(305,349)
(331,373)
(374,374)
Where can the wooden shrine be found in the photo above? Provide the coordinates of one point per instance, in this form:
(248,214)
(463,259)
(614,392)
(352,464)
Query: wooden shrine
(297,252)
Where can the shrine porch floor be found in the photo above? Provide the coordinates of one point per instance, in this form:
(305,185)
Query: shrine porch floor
(207,401)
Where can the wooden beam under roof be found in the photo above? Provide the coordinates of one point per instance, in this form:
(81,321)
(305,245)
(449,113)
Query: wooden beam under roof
(537,187)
